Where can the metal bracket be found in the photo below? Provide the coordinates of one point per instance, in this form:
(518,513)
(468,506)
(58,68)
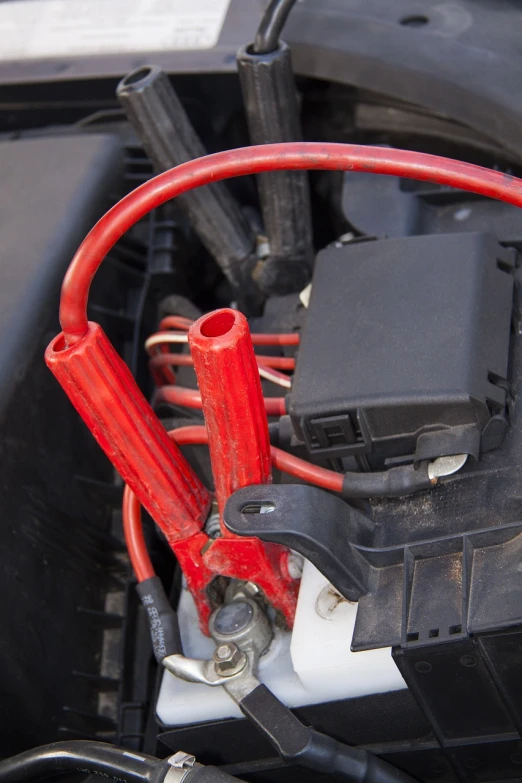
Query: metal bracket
(197,670)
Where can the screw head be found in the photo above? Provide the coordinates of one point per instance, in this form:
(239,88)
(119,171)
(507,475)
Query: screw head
(223,652)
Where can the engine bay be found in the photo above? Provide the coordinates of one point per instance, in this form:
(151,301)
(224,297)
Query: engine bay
(261,498)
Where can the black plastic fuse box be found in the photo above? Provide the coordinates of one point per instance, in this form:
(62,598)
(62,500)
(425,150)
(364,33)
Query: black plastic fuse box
(405,349)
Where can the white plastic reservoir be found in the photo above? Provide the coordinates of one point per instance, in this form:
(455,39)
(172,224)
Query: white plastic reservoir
(312,664)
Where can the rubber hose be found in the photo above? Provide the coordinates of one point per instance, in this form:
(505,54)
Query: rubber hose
(96,758)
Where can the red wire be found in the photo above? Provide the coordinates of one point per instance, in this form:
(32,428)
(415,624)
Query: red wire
(184,324)
(185,360)
(133,531)
(254,160)
(175,322)
(322,477)
(190,398)
(278,362)
(275,339)
(193,435)
(197,435)
(291,338)
(160,361)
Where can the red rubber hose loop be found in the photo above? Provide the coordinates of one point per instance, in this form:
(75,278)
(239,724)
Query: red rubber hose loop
(254,160)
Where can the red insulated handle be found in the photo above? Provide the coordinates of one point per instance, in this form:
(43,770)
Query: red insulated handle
(233,404)
(103,391)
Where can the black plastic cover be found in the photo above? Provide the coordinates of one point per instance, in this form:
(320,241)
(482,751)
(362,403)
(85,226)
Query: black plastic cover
(405,348)
(58,557)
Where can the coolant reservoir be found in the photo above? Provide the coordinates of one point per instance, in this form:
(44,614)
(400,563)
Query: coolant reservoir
(310,665)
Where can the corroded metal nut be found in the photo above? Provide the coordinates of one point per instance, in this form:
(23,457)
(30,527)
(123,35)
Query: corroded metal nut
(229,660)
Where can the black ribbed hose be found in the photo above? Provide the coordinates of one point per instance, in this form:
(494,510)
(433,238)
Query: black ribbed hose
(83,756)
(168,137)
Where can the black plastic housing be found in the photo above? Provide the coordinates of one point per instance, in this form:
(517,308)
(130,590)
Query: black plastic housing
(405,349)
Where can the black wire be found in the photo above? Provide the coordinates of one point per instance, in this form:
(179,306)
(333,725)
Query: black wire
(82,756)
(271,26)
(100,115)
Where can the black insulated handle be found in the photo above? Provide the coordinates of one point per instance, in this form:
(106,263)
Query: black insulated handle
(163,620)
(270,98)
(168,137)
(308,748)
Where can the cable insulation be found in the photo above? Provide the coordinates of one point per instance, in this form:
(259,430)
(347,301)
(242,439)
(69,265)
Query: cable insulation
(134,538)
(274,376)
(271,26)
(75,756)
(162,338)
(287,463)
(185,360)
(255,160)
(190,398)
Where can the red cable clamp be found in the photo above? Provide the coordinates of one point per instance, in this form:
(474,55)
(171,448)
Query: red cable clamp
(103,391)
(239,444)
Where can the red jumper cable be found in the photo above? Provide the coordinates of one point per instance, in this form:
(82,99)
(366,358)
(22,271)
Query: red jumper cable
(237,434)
(100,385)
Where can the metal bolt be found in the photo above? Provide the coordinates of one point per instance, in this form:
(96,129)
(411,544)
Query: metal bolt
(229,660)
(224,651)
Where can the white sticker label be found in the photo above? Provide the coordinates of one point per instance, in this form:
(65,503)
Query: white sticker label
(34,29)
